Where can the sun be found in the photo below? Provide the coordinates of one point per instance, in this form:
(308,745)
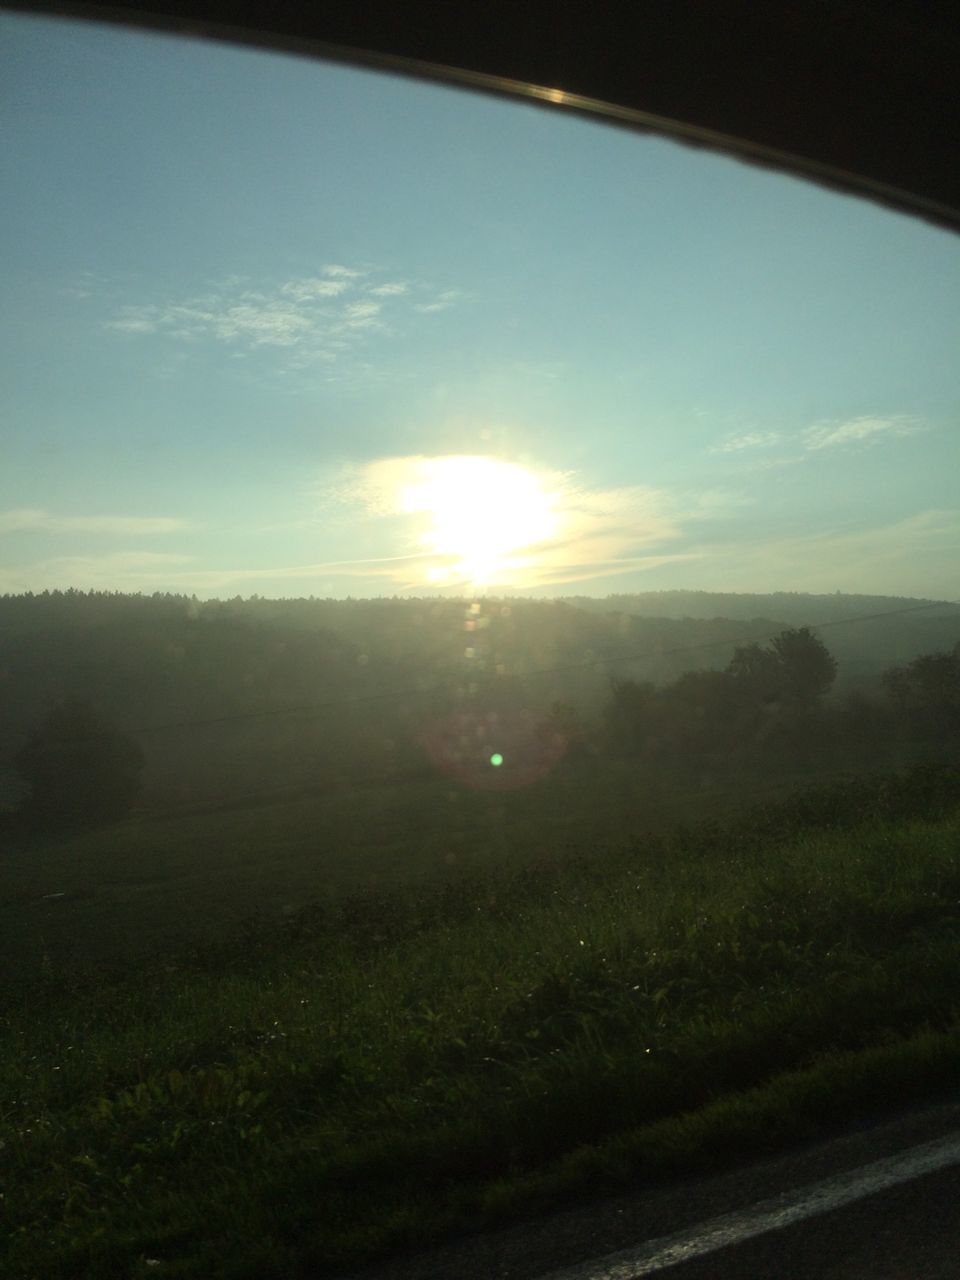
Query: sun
(482,515)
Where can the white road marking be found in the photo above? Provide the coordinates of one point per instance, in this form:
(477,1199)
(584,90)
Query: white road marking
(768,1215)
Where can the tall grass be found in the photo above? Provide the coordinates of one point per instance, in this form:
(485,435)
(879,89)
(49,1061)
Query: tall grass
(382,1069)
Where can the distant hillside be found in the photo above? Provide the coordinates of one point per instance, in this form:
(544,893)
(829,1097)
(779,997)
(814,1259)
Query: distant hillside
(867,634)
(246,693)
(793,607)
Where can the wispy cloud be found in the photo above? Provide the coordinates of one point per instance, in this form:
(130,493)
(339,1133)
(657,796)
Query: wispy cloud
(858,431)
(132,571)
(914,555)
(710,504)
(121,570)
(748,440)
(82,286)
(136,320)
(559,575)
(313,287)
(440,303)
(29,520)
(760,465)
(846,434)
(314,317)
(608,533)
(361,315)
(263,322)
(343,273)
(497,524)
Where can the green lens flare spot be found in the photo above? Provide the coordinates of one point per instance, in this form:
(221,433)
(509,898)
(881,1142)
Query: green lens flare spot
(496,759)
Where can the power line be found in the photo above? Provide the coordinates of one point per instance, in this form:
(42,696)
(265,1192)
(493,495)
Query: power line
(287,794)
(307,710)
(278,795)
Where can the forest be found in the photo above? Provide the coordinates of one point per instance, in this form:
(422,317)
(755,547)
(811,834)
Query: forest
(227,697)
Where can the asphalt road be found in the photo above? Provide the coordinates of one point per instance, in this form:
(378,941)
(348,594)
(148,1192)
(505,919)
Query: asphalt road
(909,1231)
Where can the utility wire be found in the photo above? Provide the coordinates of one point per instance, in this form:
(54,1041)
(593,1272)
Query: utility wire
(291,794)
(316,708)
(309,709)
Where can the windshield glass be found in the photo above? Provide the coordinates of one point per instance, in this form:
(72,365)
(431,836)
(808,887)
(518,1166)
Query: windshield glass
(424,520)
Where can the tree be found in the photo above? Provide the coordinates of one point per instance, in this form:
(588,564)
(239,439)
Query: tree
(795,671)
(627,714)
(927,690)
(809,668)
(80,771)
(756,674)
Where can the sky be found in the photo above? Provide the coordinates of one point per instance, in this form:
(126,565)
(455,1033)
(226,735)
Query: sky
(277,326)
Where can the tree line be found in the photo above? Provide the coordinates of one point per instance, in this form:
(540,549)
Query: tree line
(767,709)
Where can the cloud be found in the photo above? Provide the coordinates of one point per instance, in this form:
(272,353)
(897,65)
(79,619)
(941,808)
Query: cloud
(343,273)
(121,570)
(29,520)
(490,523)
(313,318)
(559,575)
(136,320)
(846,435)
(361,315)
(914,555)
(857,431)
(582,533)
(775,464)
(708,504)
(313,287)
(82,286)
(266,323)
(130,571)
(748,440)
(440,303)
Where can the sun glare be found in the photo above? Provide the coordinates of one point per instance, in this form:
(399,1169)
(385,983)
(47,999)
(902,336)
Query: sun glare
(482,514)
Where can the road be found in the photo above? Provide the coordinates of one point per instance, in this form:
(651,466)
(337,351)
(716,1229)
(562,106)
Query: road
(911,1232)
(907,1230)
(890,1221)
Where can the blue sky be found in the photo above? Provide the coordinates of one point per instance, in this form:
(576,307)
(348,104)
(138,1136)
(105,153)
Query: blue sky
(275,326)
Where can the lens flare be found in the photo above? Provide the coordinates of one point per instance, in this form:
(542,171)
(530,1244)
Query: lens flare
(528,747)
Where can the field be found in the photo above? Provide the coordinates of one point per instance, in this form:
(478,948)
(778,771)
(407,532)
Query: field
(160,880)
(253,1099)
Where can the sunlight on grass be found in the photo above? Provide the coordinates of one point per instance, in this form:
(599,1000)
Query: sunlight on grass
(509,1036)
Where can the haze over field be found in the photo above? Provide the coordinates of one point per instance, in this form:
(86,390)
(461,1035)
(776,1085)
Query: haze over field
(278,327)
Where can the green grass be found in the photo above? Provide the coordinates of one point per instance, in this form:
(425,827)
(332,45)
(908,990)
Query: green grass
(389,1067)
(160,882)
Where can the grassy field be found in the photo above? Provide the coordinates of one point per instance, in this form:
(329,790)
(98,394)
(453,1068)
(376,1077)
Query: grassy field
(312,1091)
(163,881)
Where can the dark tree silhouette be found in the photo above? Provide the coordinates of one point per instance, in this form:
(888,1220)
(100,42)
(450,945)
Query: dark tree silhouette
(927,691)
(809,669)
(796,670)
(80,771)
(627,714)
